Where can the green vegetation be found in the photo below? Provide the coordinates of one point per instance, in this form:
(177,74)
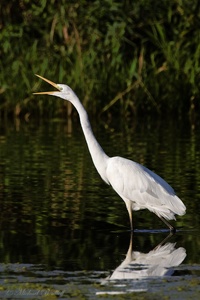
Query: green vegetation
(124,56)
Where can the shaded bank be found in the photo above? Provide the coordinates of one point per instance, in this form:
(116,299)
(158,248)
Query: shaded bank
(122,57)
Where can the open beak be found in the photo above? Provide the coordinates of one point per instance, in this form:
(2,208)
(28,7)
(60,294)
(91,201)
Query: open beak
(51,83)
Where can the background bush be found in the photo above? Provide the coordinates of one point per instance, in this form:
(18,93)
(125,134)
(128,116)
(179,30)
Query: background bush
(119,56)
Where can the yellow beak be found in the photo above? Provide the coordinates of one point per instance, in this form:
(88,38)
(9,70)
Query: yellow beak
(51,83)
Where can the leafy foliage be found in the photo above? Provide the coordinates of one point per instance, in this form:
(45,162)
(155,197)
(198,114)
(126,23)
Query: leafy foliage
(121,55)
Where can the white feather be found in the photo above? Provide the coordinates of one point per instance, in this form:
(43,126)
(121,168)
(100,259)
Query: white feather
(145,189)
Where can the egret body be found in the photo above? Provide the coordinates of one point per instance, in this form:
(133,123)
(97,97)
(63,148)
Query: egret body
(139,187)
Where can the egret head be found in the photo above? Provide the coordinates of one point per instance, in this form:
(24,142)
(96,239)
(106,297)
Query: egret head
(63,90)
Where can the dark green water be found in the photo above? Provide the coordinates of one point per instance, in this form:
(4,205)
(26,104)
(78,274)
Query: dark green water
(63,231)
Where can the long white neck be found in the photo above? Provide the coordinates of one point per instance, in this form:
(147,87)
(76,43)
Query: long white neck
(99,157)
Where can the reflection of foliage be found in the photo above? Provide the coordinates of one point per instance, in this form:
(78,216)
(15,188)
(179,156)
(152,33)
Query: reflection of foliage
(130,52)
(51,193)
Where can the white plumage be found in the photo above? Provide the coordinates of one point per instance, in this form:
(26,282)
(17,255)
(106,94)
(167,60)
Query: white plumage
(139,187)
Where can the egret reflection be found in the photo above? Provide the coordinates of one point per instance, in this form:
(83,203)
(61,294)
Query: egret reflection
(158,262)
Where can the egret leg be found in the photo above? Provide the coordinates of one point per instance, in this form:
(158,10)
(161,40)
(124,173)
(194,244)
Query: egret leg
(129,208)
(171,228)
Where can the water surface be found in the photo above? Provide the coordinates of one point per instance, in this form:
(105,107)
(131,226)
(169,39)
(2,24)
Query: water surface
(64,233)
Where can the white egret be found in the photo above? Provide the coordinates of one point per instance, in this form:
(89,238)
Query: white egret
(139,187)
